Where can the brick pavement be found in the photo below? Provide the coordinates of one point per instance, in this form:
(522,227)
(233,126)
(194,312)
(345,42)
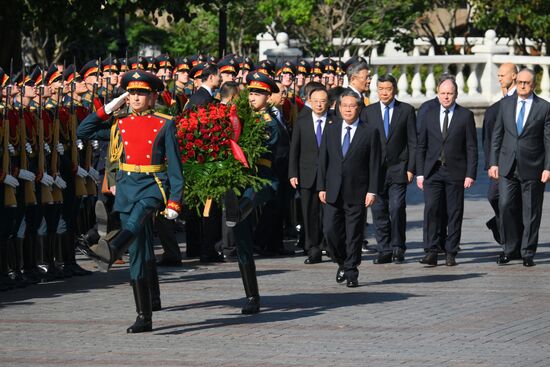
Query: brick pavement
(475,314)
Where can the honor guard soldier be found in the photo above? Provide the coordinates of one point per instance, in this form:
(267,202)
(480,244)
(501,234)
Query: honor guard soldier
(238,210)
(183,84)
(150,179)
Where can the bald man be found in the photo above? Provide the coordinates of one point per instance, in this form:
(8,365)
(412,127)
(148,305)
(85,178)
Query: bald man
(507,74)
(446,165)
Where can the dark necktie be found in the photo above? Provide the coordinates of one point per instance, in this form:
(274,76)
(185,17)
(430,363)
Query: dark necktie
(319,132)
(387,121)
(444,133)
(521,116)
(347,140)
(445,124)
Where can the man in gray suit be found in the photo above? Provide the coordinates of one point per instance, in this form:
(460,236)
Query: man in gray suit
(520,160)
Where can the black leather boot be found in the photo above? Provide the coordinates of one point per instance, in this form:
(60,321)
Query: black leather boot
(30,270)
(5,281)
(153,278)
(142,296)
(51,243)
(68,240)
(14,264)
(43,259)
(108,250)
(250,282)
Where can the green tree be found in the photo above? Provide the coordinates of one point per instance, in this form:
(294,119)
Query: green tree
(518,20)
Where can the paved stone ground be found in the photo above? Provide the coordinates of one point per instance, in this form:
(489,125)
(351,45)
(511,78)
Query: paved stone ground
(475,314)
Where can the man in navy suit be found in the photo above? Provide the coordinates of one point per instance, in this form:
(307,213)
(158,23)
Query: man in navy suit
(348,181)
(446,165)
(396,124)
(520,160)
(303,163)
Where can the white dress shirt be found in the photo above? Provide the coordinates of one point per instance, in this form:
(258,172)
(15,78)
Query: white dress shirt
(317,118)
(208,89)
(383,109)
(442,115)
(351,132)
(528,104)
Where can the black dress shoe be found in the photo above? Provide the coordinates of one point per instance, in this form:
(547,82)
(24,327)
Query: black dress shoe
(503,259)
(142,325)
(251,306)
(352,283)
(450,260)
(383,258)
(398,255)
(310,261)
(430,259)
(528,262)
(340,277)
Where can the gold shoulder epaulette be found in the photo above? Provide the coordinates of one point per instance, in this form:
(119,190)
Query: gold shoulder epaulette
(267,117)
(164,116)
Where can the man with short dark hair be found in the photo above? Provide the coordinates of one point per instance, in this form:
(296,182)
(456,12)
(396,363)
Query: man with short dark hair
(348,180)
(304,158)
(210,80)
(520,160)
(396,125)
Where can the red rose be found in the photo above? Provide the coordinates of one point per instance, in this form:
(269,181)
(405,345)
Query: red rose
(200,158)
(189,136)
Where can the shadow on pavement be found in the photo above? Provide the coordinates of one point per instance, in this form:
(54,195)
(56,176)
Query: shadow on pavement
(281,308)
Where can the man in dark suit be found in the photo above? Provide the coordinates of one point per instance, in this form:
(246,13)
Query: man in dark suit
(507,74)
(303,164)
(348,180)
(395,122)
(446,165)
(210,81)
(202,233)
(520,160)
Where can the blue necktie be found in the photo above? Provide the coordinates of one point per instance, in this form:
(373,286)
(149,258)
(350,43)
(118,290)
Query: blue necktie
(387,121)
(347,140)
(519,122)
(319,132)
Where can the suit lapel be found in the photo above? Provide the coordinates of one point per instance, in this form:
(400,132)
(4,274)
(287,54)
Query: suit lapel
(453,120)
(356,137)
(511,111)
(338,137)
(532,112)
(436,125)
(309,127)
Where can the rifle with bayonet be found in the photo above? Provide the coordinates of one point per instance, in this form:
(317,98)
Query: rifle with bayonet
(80,182)
(91,185)
(45,191)
(28,186)
(10,199)
(57,193)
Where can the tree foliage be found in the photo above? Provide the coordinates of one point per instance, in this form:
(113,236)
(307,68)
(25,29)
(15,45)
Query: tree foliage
(518,20)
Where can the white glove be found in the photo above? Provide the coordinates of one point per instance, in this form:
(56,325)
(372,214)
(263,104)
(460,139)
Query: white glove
(59,182)
(28,148)
(26,175)
(92,172)
(81,172)
(95,144)
(46,180)
(170,214)
(11,181)
(115,104)
(11,149)
(47,148)
(60,149)
(79,144)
